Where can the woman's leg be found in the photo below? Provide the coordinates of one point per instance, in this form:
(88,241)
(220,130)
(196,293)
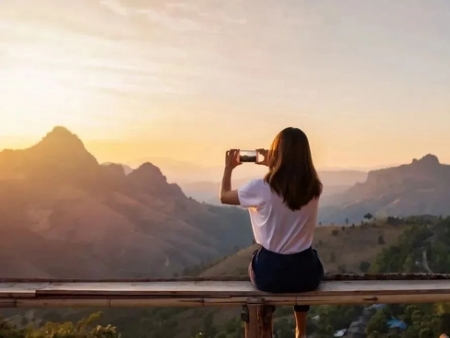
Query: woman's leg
(251,274)
(300,313)
(300,324)
(267,309)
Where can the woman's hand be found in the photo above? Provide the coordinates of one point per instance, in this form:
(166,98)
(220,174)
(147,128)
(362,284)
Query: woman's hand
(265,153)
(231,158)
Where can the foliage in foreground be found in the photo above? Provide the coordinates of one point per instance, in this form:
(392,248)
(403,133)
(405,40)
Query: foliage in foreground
(85,328)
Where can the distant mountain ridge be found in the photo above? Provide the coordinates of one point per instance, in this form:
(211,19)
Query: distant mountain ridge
(62,214)
(420,187)
(334,181)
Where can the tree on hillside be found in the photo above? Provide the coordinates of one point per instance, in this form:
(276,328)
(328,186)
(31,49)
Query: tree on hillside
(368,216)
(381,240)
(346,221)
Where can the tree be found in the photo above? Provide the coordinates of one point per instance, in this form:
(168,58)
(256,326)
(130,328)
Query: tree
(381,240)
(335,232)
(346,221)
(85,328)
(377,323)
(368,216)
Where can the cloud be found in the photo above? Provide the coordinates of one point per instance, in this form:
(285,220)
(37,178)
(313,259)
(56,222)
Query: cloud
(160,17)
(178,5)
(116,7)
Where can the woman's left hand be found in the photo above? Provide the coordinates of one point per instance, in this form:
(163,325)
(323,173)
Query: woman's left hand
(231,158)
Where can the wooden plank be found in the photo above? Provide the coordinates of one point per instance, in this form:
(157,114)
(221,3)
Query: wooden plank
(208,302)
(327,277)
(19,290)
(239,288)
(207,293)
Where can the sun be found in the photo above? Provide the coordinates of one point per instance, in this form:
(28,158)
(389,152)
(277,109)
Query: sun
(33,99)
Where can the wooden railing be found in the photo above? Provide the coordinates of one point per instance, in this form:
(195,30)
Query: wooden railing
(231,291)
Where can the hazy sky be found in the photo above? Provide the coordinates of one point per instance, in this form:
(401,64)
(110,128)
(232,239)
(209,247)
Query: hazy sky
(369,81)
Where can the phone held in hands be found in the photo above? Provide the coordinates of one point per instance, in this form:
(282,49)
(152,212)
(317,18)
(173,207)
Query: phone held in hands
(248,156)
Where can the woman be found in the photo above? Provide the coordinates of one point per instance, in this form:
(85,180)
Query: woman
(283,211)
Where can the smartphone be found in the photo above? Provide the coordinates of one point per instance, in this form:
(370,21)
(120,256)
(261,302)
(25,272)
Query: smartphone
(248,156)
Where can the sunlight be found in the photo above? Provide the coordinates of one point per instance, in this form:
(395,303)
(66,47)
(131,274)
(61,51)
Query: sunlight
(39,86)
(35,97)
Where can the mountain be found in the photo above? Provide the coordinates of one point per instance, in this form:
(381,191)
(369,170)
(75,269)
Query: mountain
(420,187)
(180,171)
(64,215)
(335,181)
(126,168)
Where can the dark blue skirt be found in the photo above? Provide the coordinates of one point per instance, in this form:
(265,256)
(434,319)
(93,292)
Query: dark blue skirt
(278,273)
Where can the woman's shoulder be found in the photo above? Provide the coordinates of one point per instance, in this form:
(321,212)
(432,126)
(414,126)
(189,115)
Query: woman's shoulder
(256,185)
(258,182)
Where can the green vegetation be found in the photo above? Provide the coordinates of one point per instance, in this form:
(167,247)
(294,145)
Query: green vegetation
(407,255)
(85,328)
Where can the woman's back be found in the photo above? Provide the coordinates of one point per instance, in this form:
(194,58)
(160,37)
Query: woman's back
(276,227)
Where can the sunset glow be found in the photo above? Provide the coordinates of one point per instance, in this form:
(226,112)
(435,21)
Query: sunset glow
(368,81)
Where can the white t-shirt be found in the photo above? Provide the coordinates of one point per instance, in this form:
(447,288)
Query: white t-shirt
(275,226)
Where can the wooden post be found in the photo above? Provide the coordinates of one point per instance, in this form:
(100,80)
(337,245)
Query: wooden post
(258,320)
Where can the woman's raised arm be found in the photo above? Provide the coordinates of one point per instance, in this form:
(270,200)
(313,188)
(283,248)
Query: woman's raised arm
(228,196)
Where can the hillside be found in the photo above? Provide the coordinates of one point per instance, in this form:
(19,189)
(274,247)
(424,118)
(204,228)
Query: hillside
(338,248)
(64,215)
(421,187)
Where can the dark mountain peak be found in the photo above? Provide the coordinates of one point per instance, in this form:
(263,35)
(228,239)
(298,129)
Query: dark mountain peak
(148,170)
(61,132)
(60,138)
(61,157)
(150,179)
(428,160)
(147,175)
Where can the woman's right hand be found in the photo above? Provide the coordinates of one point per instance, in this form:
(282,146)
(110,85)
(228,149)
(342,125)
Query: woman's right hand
(265,153)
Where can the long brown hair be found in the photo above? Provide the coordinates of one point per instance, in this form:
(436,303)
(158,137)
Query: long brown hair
(291,170)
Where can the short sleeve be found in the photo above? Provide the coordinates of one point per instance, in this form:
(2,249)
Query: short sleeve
(250,195)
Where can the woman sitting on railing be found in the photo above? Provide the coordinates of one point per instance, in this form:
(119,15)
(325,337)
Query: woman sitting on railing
(283,208)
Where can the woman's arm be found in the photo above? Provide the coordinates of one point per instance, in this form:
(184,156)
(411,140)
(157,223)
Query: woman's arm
(228,196)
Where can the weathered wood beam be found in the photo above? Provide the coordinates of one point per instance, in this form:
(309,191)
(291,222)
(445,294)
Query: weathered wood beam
(240,278)
(219,293)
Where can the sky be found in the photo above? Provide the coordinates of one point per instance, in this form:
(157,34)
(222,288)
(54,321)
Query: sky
(368,81)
